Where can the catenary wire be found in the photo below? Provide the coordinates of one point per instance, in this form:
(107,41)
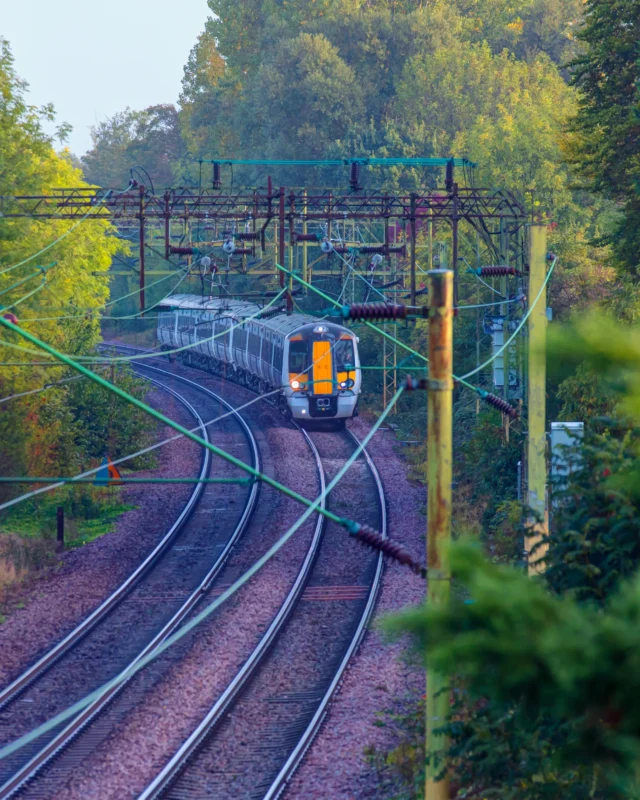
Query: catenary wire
(314,506)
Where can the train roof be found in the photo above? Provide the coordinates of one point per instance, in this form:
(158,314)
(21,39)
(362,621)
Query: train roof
(221,305)
(283,324)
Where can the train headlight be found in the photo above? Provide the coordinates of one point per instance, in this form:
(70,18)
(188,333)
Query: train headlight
(295,384)
(346,384)
(320,329)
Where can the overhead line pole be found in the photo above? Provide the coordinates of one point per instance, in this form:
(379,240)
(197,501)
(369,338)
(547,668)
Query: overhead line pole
(439,475)
(536,397)
(412,231)
(142,236)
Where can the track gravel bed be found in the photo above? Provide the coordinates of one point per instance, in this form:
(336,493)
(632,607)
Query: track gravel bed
(244,755)
(336,766)
(63,596)
(183,684)
(148,606)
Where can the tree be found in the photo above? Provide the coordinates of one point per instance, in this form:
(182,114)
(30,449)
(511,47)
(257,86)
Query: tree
(150,139)
(38,432)
(306,99)
(606,149)
(561,679)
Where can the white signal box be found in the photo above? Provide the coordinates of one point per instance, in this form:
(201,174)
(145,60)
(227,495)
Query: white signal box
(566,451)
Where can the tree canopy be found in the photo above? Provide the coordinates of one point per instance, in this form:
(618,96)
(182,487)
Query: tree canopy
(40,433)
(607,150)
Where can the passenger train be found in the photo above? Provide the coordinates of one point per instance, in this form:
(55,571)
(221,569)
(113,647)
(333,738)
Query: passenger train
(314,362)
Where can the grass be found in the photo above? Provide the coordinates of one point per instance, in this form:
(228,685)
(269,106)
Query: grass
(86,530)
(28,533)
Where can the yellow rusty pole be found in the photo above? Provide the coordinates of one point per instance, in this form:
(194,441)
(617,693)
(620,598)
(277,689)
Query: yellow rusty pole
(305,245)
(536,394)
(439,458)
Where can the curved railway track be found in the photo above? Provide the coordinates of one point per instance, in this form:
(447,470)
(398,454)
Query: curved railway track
(304,652)
(211,762)
(132,621)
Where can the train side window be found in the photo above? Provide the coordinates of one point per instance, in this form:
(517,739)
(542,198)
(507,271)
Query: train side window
(267,350)
(204,327)
(277,354)
(226,324)
(240,337)
(254,344)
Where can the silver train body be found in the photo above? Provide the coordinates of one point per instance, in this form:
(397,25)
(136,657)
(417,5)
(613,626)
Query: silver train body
(315,363)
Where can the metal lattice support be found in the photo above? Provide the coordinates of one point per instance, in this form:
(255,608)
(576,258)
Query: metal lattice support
(390,364)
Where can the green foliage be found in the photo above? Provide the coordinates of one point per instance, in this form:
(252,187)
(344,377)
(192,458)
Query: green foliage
(593,543)
(150,139)
(114,427)
(545,659)
(328,98)
(585,395)
(63,429)
(607,150)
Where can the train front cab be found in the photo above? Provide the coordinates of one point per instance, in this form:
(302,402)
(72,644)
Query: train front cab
(323,377)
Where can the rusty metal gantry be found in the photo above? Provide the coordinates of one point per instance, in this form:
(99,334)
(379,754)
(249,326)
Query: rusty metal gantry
(291,212)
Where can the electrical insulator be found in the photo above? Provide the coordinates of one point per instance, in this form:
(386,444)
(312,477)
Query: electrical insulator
(248,236)
(376,311)
(373,539)
(217,182)
(354,176)
(380,249)
(229,247)
(326,246)
(206,262)
(494,272)
(412,384)
(182,251)
(448,182)
(376,260)
(10,318)
(500,403)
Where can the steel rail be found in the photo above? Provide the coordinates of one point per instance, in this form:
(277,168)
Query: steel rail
(10,692)
(84,718)
(195,741)
(163,782)
(311,731)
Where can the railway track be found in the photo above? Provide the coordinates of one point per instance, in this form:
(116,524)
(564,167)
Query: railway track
(335,590)
(147,608)
(254,751)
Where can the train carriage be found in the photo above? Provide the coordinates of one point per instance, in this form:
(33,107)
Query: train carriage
(315,363)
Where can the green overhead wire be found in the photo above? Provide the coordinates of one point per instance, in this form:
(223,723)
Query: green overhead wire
(97,481)
(314,506)
(26,296)
(59,239)
(520,325)
(40,271)
(342,162)
(143,451)
(151,354)
(112,302)
(70,362)
(461,380)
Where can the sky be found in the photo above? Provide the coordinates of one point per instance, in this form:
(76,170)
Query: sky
(92,58)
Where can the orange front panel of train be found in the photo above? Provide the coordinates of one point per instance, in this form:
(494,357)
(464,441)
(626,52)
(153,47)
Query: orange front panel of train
(322,368)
